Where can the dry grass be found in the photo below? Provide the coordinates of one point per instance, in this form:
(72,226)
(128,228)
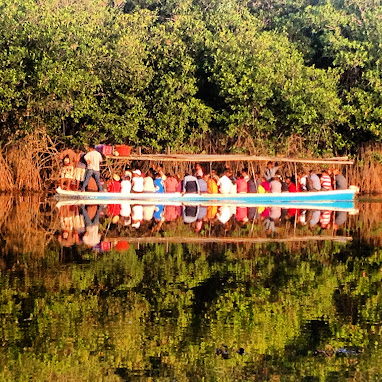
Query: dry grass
(6,175)
(29,164)
(367,170)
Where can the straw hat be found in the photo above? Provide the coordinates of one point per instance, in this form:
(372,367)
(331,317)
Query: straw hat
(116,177)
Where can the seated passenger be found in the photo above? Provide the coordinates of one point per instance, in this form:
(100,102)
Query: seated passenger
(137,181)
(225,183)
(291,185)
(340,180)
(190,184)
(148,182)
(265,184)
(171,183)
(158,184)
(313,182)
(275,184)
(244,174)
(202,185)
(126,185)
(212,187)
(115,184)
(326,181)
(241,184)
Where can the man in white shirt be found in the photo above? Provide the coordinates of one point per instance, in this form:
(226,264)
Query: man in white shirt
(225,184)
(93,158)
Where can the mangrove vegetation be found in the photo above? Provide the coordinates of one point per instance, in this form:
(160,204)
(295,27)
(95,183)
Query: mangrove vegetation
(227,75)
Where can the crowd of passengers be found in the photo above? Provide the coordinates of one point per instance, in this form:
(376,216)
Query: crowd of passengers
(79,168)
(155,180)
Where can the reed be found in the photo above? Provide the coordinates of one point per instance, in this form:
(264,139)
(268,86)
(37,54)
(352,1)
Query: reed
(367,170)
(6,175)
(30,163)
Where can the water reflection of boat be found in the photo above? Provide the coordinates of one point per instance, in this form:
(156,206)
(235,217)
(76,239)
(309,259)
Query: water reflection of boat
(335,196)
(137,222)
(338,206)
(227,240)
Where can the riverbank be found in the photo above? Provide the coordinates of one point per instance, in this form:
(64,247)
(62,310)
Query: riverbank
(32,164)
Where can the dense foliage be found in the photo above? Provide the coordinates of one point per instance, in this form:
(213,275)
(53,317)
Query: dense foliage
(168,73)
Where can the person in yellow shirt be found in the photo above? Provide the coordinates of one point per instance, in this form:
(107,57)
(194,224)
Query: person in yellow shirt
(212,187)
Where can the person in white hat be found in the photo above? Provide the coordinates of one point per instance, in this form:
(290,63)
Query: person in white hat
(137,181)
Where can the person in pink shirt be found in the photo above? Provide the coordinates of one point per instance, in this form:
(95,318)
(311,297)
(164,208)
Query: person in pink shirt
(198,170)
(241,184)
(264,183)
(171,183)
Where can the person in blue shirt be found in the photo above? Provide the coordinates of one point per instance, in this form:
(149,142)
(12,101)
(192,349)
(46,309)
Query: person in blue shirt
(158,184)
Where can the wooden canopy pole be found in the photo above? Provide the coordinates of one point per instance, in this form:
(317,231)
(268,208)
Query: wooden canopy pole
(227,158)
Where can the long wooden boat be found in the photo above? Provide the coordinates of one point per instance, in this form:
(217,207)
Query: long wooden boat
(328,197)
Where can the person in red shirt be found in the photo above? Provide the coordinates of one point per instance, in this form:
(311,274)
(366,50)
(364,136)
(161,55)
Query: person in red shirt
(241,184)
(115,184)
(171,183)
(292,185)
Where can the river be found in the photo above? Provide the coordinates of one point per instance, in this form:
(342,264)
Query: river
(197,295)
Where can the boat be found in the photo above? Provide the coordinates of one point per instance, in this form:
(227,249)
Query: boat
(311,198)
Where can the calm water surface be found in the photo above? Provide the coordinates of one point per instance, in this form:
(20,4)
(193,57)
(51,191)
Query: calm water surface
(189,295)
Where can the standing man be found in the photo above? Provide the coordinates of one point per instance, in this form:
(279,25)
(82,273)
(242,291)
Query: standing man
(93,158)
(271,171)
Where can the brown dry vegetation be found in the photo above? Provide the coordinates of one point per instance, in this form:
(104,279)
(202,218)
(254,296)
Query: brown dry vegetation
(367,170)
(29,164)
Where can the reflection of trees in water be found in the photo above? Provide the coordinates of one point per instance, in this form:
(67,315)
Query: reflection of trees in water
(162,311)
(27,224)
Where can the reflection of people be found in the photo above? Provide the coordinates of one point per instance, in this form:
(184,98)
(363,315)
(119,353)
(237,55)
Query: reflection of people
(68,235)
(224,215)
(92,237)
(136,216)
(314,218)
(339,219)
(190,214)
(325,219)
